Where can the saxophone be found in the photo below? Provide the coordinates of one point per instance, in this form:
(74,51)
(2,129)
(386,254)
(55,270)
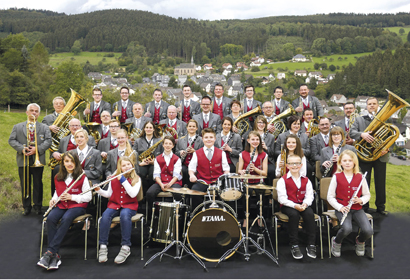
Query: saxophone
(149,153)
(277,121)
(241,122)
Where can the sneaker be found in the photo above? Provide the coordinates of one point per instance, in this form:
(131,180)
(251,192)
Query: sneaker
(103,255)
(360,250)
(336,248)
(311,251)
(45,260)
(55,262)
(122,255)
(296,253)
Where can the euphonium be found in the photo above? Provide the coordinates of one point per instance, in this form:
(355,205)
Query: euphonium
(241,124)
(313,128)
(384,134)
(277,121)
(132,133)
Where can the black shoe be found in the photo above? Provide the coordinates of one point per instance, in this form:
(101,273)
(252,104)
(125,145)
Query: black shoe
(39,212)
(311,251)
(45,260)
(26,212)
(55,262)
(383,212)
(296,253)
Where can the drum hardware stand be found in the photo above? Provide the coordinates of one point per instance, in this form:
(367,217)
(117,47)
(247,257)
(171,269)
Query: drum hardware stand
(261,223)
(246,238)
(177,243)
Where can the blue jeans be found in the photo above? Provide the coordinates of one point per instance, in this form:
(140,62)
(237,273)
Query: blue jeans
(56,232)
(360,217)
(125,223)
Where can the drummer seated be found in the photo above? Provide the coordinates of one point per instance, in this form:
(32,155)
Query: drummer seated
(295,194)
(167,172)
(208,163)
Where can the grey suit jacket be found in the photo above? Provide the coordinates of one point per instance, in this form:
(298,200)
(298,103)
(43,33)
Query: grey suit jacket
(304,140)
(162,111)
(235,143)
(194,107)
(255,104)
(129,112)
(142,122)
(111,166)
(18,138)
(62,148)
(226,105)
(358,127)
(283,105)
(181,127)
(182,144)
(214,122)
(327,154)
(270,144)
(104,106)
(104,144)
(141,145)
(49,119)
(316,145)
(314,104)
(99,129)
(93,165)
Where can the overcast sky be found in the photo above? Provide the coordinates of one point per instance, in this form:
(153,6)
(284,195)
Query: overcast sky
(217,9)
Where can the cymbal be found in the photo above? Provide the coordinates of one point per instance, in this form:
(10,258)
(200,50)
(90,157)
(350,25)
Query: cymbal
(185,191)
(260,187)
(247,176)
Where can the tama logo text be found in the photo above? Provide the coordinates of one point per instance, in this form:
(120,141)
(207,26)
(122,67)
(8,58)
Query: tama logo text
(213,219)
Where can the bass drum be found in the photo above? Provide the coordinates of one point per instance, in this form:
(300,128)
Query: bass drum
(212,232)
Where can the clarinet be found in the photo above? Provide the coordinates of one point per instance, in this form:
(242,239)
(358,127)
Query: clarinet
(189,146)
(351,200)
(251,161)
(337,152)
(229,139)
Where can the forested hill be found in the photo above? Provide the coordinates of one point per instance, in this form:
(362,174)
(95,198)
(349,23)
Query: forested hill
(159,34)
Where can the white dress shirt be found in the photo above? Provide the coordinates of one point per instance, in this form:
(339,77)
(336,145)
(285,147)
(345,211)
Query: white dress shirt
(125,103)
(194,161)
(167,158)
(203,116)
(132,191)
(76,197)
(84,151)
(283,196)
(302,170)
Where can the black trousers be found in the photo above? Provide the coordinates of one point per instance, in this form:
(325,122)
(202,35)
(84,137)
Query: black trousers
(35,176)
(146,172)
(293,224)
(185,177)
(379,169)
(198,199)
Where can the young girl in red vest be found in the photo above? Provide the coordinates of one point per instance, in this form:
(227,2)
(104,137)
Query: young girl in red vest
(70,206)
(343,185)
(295,194)
(292,146)
(167,171)
(122,193)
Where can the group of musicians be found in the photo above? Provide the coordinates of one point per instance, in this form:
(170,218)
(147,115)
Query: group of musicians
(193,143)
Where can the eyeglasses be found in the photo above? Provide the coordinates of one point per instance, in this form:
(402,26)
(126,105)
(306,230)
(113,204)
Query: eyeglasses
(124,93)
(206,104)
(294,163)
(114,126)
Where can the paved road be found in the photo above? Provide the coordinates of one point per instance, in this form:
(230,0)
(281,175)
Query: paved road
(396,161)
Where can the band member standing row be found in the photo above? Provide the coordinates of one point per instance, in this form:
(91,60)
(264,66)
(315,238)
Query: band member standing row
(138,120)
(107,144)
(70,206)
(220,103)
(124,106)
(250,103)
(58,104)
(172,121)
(344,123)
(93,114)
(321,140)
(379,165)
(188,107)
(307,101)
(157,109)
(207,119)
(18,141)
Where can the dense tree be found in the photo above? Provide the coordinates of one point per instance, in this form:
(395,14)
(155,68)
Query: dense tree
(68,75)
(76,48)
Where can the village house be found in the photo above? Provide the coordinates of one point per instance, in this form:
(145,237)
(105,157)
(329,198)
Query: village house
(227,66)
(94,76)
(299,58)
(281,76)
(301,73)
(185,69)
(338,98)
(208,66)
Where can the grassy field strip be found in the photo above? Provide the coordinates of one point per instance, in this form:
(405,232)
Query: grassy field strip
(396,30)
(83,57)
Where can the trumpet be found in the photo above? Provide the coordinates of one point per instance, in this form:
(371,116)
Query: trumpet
(106,181)
(64,192)
(301,106)
(116,109)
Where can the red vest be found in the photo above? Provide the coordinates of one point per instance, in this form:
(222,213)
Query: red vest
(70,145)
(304,108)
(228,154)
(96,116)
(174,127)
(77,189)
(207,170)
(112,147)
(120,198)
(156,114)
(294,194)
(105,135)
(218,109)
(277,111)
(206,125)
(186,116)
(32,138)
(249,109)
(167,172)
(345,190)
(246,156)
(188,156)
(123,115)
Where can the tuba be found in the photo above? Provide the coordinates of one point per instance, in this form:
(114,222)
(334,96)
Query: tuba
(277,121)
(241,122)
(384,134)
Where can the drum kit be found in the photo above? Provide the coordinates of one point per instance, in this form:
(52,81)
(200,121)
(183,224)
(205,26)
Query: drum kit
(213,232)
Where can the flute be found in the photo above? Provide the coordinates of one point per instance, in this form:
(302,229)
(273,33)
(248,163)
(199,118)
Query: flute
(106,181)
(351,200)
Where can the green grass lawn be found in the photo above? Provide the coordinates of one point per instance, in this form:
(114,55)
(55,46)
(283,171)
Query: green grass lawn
(396,30)
(83,57)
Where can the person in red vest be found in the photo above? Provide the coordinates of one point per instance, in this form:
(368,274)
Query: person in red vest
(221,105)
(342,186)
(172,121)
(295,194)
(348,109)
(188,107)
(104,128)
(167,172)
(207,165)
(70,206)
(122,193)
(93,114)
(124,106)
(249,102)
(305,101)
(157,109)
(279,105)
(306,118)
(292,146)
(321,140)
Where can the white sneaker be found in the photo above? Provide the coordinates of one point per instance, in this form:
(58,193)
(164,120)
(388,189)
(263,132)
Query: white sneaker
(336,248)
(122,255)
(360,248)
(103,255)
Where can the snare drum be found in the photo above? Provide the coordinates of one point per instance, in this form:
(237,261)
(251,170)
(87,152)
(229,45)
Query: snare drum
(163,223)
(230,189)
(212,232)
